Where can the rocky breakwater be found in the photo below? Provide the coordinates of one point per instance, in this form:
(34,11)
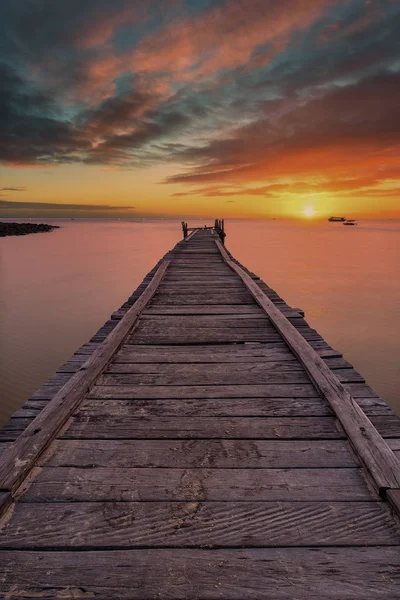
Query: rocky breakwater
(24,228)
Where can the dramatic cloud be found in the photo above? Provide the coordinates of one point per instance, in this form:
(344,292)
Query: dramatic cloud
(240,97)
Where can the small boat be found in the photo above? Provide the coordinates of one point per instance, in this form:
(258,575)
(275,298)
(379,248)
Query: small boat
(337,219)
(350,222)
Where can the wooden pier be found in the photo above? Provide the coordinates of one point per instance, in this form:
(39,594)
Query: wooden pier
(207,443)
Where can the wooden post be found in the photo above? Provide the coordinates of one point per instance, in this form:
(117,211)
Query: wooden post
(220,229)
(184,229)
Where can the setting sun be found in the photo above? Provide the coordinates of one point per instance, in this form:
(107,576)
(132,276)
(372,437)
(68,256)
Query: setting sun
(308,211)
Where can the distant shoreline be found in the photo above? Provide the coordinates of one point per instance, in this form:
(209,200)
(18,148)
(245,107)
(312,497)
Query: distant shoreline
(7,229)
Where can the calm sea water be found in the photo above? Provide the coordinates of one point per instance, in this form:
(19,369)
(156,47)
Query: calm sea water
(57,289)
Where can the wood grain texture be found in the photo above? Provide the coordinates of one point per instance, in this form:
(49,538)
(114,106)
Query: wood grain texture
(211,374)
(219,453)
(221,353)
(204,391)
(189,574)
(191,524)
(211,407)
(125,427)
(196,485)
(205,377)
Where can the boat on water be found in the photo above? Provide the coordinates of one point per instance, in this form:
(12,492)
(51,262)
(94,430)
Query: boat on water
(350,222)
(337,219)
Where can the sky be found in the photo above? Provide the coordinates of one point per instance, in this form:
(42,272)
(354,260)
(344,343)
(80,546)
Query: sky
(183,108)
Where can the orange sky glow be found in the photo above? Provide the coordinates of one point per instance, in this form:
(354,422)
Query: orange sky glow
(188,108)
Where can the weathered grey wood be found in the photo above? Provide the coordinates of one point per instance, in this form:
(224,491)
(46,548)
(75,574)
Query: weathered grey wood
(221,407)
(213,321)
(127,427)
(211,298)
(221,353)
(210,407)
(381,463)
(183,574)
(190,454)
(204,377)
(206,391)
(194,523)
(60,484)
(394,500)
(214,309)
(358,390)
(191,235)
(17,460)
(174,335)
(15,426)
(153,334)
(205,373)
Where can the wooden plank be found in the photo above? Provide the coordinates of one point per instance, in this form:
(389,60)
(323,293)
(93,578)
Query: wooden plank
(204,391)
(191,235)
(59,484)
(15,426)
(394,500)
(204,377)
(206,321)
(194,299)
(249,352)
(18,459)
(376,456)
(223,407)
(217,374)
(151,334)
(182,574)
(191,524)
(387,425)
(190,454)
(126,427)
(211,407)
(290,313)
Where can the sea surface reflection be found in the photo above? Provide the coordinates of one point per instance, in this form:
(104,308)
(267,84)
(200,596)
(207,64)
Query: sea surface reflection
(57,289)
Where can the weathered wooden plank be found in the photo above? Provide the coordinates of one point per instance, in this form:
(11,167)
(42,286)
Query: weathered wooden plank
(18,459)
(204,391)
(211,407)
(213,321)
(211,309)
(272,407)
(3,446)
(149,333)
(203,299)
(395,445)
(378,459)
(191,524)
(206,373)
(374,406)
(175,335)
(126,427)
(387,425)
(15,426)
(182,574)
(393,497)
(190,454)
(62,484)
(203,377)
(249,352)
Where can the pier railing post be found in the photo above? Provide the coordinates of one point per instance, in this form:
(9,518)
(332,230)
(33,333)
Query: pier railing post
(219,227)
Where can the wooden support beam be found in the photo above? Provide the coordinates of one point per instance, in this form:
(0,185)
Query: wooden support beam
(374,453)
